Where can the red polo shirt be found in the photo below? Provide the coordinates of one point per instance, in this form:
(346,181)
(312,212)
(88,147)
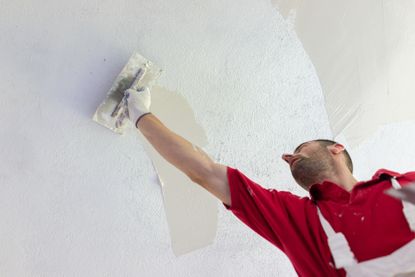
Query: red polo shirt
(372,222)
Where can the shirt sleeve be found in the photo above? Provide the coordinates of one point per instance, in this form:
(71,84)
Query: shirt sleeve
(410,176)
(266,211)
(284,219)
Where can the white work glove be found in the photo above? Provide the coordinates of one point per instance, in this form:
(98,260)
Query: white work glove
(138,103)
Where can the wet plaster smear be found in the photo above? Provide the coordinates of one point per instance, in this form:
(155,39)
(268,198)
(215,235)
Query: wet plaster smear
(191,212)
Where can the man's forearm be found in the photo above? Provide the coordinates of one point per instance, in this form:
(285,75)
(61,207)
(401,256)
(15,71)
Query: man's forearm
(178,151)
(185,156)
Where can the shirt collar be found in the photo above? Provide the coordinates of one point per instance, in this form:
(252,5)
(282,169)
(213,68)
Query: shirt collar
(329,190)
(385,174)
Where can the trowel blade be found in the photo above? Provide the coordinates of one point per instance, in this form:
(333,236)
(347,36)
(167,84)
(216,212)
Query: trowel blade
(106,113)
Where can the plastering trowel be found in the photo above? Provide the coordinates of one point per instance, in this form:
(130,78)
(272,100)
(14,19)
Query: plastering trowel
(137,73)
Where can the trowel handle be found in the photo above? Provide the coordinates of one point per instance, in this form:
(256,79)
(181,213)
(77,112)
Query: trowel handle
(122,112)
(117,109)
(138,77)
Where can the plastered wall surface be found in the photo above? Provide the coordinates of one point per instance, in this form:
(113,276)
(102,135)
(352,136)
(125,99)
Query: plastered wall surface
(79,200)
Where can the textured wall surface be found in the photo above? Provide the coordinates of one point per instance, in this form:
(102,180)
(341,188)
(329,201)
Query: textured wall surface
(78,200)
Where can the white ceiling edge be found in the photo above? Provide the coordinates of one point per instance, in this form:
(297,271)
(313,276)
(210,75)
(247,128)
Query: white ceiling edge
(363,55)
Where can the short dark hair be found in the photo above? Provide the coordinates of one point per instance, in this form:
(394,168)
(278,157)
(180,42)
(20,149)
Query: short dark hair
(327,142)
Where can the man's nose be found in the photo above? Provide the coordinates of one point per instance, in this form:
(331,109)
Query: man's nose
(287,157)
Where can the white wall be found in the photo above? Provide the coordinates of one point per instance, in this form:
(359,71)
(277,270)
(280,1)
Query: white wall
(78,200)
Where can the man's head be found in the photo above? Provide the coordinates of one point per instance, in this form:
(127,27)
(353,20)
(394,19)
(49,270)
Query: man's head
(314,161)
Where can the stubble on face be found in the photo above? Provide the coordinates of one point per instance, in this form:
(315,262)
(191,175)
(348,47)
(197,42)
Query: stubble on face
(314,168)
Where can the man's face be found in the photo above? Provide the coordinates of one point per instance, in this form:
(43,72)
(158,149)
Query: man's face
(309,163)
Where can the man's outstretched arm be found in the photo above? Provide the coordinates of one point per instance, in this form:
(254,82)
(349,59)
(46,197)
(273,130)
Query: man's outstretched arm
(185,156)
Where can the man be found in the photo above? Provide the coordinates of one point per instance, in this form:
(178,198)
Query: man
(345,227)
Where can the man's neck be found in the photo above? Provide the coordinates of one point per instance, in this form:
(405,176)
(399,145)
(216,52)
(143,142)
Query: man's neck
(343,179)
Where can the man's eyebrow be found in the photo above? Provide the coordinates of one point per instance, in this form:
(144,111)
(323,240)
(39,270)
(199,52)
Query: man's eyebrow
(299,147)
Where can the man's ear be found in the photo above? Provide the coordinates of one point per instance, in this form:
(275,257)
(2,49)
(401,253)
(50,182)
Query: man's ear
(336,148)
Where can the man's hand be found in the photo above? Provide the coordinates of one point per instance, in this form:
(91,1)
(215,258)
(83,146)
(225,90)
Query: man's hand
(138,103)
